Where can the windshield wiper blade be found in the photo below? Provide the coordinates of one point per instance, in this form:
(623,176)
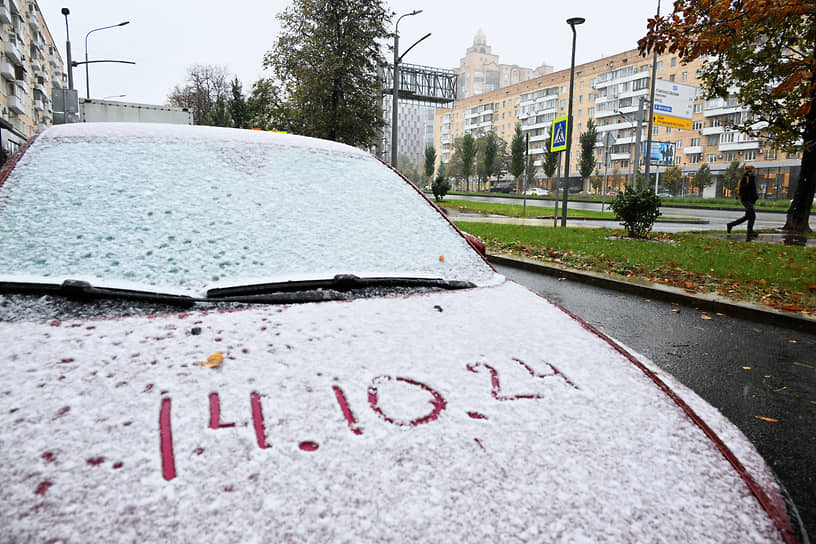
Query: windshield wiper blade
(341,283)
(83,290)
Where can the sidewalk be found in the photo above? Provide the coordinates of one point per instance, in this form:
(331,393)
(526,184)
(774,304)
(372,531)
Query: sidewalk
(715,303)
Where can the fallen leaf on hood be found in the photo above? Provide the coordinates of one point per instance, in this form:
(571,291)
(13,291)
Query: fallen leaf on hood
(213,361)
(705,316)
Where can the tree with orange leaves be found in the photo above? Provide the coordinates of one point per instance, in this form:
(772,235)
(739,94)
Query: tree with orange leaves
(761,52)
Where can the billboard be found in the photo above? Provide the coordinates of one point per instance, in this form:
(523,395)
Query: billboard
(673,104)
(661,154)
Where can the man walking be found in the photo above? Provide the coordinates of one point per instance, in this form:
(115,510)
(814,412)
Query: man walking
(747,191)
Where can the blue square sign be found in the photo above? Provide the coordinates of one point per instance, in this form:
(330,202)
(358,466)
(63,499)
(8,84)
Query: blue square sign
(558,134)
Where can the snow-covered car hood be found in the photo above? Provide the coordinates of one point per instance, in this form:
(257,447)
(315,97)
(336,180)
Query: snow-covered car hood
(428,418)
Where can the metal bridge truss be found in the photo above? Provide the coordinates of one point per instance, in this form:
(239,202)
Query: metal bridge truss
(423,84)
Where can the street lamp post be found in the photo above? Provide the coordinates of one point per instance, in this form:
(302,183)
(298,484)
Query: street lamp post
(66,11)
(572,22)
(395,96)
(87,78)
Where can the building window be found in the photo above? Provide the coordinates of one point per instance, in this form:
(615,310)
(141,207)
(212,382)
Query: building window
(792,155)
(674,62)
(684,76)
(671,77)
(659,65)
(770,154)
(729,156)
(714,139)
(698,107)
(695,142)
(695,158)
(581,99)
(712,157)
(696,125)
(563,103)
(749,155)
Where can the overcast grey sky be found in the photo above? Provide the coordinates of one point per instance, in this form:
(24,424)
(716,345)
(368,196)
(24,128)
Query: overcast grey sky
(165,37)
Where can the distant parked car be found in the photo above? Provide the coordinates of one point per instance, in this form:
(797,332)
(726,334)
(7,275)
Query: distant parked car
(664,194)
(503,187)
(537,191)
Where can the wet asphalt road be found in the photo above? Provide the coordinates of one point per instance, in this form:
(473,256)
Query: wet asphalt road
(746,369)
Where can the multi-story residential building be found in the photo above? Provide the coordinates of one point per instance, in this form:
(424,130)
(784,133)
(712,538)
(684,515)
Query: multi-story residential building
(30,68)
(609,91)
(480,72)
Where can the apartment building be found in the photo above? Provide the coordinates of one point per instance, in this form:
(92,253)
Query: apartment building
(480,72)
(608,91)
(30,68)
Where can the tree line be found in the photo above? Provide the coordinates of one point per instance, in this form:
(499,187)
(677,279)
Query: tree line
(323,81)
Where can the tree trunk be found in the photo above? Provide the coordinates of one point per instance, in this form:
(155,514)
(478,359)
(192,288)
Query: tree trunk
(799,211)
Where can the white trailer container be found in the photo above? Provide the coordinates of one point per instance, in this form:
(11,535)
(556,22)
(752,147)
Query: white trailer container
(96,111)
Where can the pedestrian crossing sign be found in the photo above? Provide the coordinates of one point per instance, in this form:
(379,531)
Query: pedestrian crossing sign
(558,139)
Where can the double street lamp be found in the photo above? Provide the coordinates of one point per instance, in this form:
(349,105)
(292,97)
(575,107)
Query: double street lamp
(573,22)
(87,78)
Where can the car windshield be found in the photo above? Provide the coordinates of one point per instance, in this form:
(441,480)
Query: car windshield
(190,208)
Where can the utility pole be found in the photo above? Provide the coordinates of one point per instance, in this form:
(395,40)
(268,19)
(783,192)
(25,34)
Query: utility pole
(651,110)
(638,130)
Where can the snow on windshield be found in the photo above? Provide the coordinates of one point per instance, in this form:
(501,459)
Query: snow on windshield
(187,207)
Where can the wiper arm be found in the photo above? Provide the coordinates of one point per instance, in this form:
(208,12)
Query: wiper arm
(83,290)
(341,283)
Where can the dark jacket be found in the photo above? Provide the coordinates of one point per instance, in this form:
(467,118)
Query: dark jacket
(747,189)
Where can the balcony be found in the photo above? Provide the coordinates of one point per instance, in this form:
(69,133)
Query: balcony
(739,146)
(23,87)
(33,22)
(35,64)
(38,105)
(41,87)
(723,110)
(708,131)
(13,51)
(693,150)
(15,104)
(619,156)
(7,71)
(5,15)
(539,138)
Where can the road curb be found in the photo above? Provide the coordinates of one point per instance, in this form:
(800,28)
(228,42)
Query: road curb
(715,303)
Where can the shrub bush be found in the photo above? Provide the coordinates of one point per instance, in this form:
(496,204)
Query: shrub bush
(440,187)
(637,210)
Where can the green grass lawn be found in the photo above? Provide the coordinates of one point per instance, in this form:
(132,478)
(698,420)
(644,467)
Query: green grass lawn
(690,201)
(517,210)
(776,275)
